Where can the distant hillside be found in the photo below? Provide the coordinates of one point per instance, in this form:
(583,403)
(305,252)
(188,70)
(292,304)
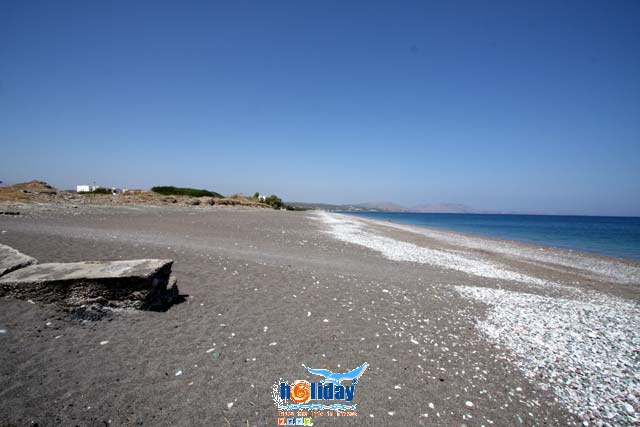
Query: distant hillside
(442,208)
(382,206)
(360,207)
(325,206)
(422,208)
(389,207)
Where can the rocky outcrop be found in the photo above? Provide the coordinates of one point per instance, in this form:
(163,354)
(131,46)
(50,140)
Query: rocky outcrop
(145,284)
(11,259)
(36,187)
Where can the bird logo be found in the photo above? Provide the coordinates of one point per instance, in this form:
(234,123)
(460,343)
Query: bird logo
(336,377)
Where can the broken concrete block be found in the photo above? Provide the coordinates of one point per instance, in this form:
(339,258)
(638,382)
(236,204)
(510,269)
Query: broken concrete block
(144,284)
(11,259)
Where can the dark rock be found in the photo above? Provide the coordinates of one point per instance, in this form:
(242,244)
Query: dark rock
(11,259)
(144,284)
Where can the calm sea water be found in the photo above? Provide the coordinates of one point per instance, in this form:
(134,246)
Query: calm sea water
(613,236)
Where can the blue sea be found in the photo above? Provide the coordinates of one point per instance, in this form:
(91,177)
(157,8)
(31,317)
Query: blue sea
(613,236)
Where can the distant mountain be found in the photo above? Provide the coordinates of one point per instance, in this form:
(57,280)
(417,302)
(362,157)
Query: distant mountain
(442,208)
(325,206)
(370,206)
(389,207)
(382,206)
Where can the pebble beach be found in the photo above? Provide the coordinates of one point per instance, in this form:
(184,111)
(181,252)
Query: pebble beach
(456,329)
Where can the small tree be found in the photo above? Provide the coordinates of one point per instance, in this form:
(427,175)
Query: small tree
(274,201)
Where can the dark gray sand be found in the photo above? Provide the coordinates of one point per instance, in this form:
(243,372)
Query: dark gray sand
(267,292)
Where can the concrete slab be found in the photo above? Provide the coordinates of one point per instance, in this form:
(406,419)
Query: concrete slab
(11,259)
(142,284)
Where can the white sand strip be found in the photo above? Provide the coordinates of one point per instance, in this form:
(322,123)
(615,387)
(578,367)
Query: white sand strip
(588,353)
(352,231)
(610,269)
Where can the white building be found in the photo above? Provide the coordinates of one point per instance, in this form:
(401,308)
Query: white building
(85,188)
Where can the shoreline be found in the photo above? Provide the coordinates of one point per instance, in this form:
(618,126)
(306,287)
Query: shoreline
(480,235)
(509,247)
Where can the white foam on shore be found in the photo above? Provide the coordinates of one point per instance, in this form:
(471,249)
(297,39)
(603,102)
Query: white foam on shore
(351,230)
(587,352)
(611,269)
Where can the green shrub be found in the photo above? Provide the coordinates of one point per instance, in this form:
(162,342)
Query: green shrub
(179,191)
(295,208)
(274,201)
(98,190)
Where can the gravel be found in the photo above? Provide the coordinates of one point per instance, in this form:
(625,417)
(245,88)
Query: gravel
(586,352)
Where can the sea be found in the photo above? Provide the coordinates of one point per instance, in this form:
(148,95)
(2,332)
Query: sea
(604,235)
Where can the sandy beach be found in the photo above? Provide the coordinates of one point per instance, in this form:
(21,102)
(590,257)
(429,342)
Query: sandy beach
(456,329)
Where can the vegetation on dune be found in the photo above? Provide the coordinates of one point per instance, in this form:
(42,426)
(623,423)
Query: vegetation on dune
(179,191)
(40,190)
(98,190)
(275,202)
(296,208)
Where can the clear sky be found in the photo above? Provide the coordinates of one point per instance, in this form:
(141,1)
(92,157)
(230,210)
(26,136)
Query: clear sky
(499,105)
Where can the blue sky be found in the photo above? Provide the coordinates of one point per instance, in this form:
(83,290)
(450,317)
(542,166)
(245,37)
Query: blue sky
(498,105)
